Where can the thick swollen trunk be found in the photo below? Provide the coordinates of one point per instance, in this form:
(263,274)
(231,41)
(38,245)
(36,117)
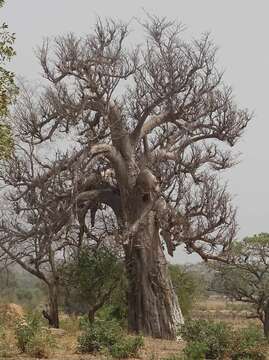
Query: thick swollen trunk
(153,307)
(53,306)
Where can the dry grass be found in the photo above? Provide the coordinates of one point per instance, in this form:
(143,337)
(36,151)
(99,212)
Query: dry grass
(217,308)
(154,349)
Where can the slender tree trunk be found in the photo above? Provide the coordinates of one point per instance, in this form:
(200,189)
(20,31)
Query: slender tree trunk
(53,306)
(266,323)
(153,307)
(91,315)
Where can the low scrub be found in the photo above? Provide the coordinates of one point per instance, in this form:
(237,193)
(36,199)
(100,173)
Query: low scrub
(32,338)
(217,340)
(5,346)
(108,337)
(41,345)
(126,347)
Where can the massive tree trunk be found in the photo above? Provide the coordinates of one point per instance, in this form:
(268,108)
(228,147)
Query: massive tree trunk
(153,307)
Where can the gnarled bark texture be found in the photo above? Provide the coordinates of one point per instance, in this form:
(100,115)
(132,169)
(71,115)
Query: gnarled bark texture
(153,307)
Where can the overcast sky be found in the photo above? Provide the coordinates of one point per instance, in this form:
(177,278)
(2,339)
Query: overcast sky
(240,29)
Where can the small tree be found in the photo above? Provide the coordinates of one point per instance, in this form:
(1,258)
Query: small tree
(89,280)
(189,286)
(31,226)
(246,278)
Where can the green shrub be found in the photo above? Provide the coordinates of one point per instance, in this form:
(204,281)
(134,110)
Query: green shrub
(25,329)
(195,351)
(249,337)
(212,336)
(32,338)
(40,345)
(84,322)
(98,335)
(126,347)
(249,355)
(189,286)
(107,336)
(248,343)
(215,340)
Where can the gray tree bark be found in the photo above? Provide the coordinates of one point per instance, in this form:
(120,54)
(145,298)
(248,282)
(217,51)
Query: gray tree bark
(266,322)
(153,307)
(53,306)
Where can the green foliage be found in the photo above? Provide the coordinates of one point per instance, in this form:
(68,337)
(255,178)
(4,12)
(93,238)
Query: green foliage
(40,345)
(8,89)
(195,350)
(92,281)
(116,309)
(217,340)
(188,285)
(108,336)
(33,338)
(126,347)
(215,336)
(249,355)
(27,328)
(6,141)
(250,337)
(248,343)
(7,85)
(98,335)
(247,276)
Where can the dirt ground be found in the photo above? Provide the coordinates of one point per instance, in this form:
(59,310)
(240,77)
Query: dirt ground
(154,349)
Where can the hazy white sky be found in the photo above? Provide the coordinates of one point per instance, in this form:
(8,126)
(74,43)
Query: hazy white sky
(240,28)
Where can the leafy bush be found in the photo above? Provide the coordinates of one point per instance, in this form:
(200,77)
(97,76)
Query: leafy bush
(215,340)
(250,337)
(126,347)
(248,344)
(98,335)
(188,285)
(26,329)
(195,351)
(249,355)
(91,281)
(40,345)
(215,336)
(32,338)
(107,336)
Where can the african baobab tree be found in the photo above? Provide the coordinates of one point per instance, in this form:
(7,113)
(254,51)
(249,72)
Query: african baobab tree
(150,127)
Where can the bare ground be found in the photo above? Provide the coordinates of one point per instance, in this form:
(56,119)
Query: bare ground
(154,349)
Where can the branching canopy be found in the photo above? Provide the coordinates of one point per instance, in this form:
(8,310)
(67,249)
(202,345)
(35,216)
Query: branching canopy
(118,132)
